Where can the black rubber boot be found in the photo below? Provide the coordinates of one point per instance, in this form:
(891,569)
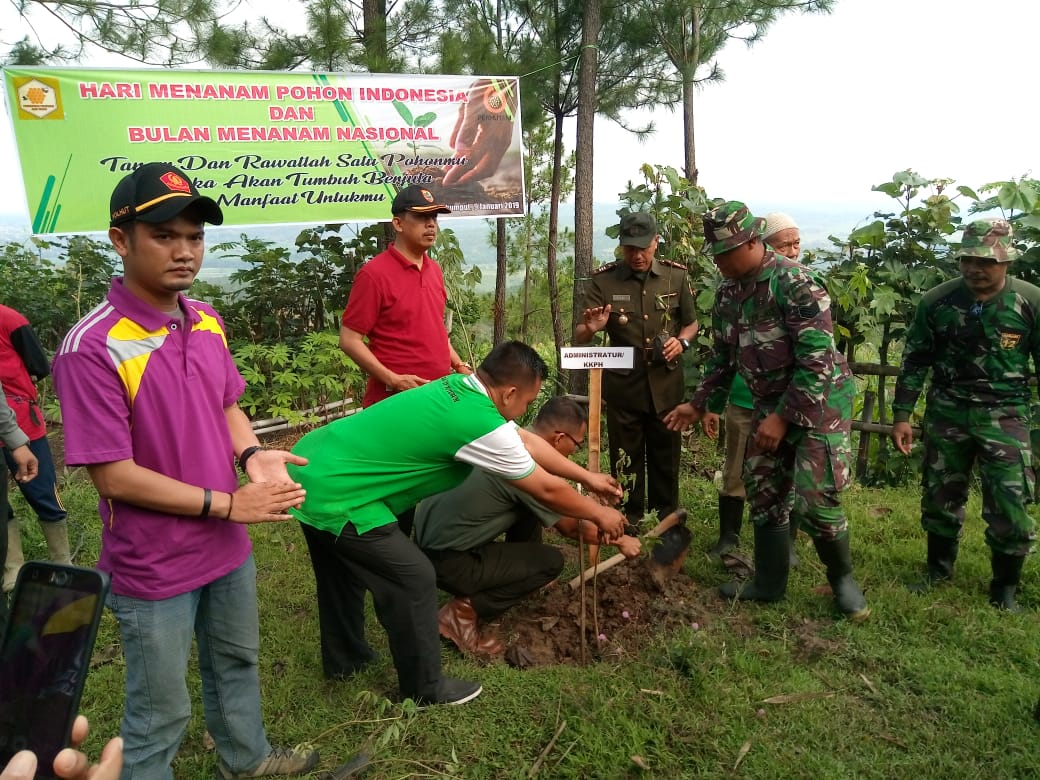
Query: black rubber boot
(942,552)
(772,565)
(731,516)
(1007,570)
(835,555)
(793,557)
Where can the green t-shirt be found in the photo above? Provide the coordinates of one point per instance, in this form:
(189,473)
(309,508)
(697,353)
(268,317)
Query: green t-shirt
(475,513)
(367,468)
(740,393)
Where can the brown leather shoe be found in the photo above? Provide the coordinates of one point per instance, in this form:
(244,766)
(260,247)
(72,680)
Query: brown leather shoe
(457,622)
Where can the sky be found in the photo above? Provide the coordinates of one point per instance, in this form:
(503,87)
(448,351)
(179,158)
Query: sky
(820,110)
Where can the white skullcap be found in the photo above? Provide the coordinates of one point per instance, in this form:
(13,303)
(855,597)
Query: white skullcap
(777,221)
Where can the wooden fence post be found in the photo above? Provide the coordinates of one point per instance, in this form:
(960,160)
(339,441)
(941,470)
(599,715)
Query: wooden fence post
(863,456)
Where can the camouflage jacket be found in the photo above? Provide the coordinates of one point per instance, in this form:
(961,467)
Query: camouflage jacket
(776,331)
(978,353)
(640,309)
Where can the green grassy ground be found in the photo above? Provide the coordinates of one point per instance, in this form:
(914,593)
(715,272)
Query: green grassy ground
(934,686)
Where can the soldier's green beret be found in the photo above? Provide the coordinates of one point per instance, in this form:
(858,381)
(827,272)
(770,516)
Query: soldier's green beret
(988,238)
(730,225)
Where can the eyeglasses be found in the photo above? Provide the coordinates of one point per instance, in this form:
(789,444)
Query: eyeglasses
(577,444)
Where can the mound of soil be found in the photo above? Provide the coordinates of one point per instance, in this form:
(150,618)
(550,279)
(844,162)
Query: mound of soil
(624,610)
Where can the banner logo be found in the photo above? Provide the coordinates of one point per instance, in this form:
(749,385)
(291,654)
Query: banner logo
(39,98)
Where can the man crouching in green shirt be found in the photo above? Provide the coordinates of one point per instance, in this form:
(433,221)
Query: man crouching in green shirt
(369,467)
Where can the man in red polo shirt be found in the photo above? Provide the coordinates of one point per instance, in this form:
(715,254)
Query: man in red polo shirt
(393,326)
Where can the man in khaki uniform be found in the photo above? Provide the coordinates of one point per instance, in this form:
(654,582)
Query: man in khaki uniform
(646,303)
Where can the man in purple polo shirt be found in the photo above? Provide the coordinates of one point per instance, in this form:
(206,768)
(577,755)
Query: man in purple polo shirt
(393,326)
(149,392)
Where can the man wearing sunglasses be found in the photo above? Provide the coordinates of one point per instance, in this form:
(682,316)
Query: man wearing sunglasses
(977,334)
(458,530)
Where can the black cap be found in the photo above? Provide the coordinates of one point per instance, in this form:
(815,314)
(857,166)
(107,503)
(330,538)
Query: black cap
(417,199)
(638,229)
(157,192)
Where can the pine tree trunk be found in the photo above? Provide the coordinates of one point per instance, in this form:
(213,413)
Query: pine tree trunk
(583,159)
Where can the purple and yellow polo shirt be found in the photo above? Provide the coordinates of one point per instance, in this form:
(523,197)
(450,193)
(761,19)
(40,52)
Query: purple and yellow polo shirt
(136,383)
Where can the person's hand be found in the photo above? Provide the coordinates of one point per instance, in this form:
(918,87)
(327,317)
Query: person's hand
(70,763)
(265,502)
(710,424)
(903,437)
(681,417)
(462,368)
(604,486)
(401,382)
(27,465)
(771,432)
(629,546)
(269,465)
(611,522)
(482,134)
(672,349)
(596,318)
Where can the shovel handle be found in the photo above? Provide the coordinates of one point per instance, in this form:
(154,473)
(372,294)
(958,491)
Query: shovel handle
(675,518)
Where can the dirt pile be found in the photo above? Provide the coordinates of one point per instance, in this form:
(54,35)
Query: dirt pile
(624,611)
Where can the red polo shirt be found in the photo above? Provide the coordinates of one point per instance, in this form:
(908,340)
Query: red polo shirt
(399,307)
(19,388)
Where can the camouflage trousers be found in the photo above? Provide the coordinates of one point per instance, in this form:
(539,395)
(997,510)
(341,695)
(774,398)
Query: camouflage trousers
(801,480)
(956,437)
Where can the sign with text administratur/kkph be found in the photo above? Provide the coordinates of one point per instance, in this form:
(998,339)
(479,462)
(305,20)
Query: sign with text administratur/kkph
(269,147)
(596,357)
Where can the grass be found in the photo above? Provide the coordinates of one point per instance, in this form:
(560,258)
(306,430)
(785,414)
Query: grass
(933,686)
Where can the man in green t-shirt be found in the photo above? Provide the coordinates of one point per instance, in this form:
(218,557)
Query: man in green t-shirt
(365,469)
(457,530)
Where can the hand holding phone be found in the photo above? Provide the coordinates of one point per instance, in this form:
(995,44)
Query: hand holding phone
(71,764)
(44,658)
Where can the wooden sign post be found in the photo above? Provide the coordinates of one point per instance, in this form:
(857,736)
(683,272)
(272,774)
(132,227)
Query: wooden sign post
(594,360)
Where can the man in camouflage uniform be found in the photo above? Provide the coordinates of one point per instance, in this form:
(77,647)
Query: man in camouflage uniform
(977,334)
(646,303)
(771,322)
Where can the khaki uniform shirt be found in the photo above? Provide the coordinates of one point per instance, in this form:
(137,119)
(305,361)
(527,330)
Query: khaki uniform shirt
(661,302)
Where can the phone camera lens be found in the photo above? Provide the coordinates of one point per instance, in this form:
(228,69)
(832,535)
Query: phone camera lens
(60,578)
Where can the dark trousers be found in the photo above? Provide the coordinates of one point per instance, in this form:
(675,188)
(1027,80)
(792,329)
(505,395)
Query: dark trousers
(497,575)
(3,548)
(653,452)
(404,590)
(41,492)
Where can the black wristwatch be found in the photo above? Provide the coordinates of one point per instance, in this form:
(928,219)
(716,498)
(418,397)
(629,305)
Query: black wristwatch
(247,453)
(685,344)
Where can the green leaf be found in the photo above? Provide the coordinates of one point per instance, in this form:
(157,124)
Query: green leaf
(406,115)
(890,188)
(1012,196)
(424,120)
(872,234)
(909,179)
(968,192)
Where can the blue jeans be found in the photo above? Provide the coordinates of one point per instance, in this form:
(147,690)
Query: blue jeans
(156,637)
(40,493)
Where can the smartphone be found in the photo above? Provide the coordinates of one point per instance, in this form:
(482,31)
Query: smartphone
(44,657)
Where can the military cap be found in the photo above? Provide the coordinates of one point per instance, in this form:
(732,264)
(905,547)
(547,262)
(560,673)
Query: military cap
(638,229)
(157,192)
(730,225)
(988,238)
(417,199)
